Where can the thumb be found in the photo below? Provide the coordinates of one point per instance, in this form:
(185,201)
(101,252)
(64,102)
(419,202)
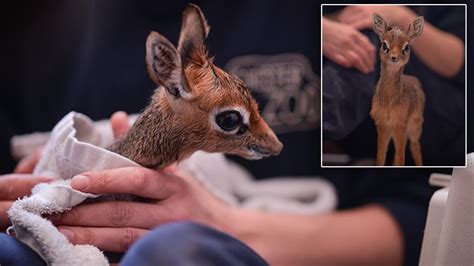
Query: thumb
(119,122)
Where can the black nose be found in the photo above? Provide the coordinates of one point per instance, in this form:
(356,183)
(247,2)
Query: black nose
(394,59)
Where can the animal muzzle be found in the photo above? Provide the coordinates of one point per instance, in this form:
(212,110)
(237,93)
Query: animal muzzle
(269,146)
(394,59)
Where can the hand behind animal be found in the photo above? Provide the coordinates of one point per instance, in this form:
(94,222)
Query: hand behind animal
(197,105)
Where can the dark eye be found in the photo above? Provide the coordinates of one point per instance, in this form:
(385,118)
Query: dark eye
(229,120)
(406,50)
(385,47)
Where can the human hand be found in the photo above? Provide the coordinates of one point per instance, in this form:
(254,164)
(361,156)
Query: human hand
(119,123)
(347,46)
(360,16)
(12,187)
(27,164)
(115,225)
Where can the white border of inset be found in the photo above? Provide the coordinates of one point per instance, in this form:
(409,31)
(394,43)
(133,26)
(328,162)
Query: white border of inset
(465,88)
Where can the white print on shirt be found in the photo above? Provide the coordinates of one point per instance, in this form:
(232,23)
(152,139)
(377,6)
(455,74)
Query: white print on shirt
(288,86)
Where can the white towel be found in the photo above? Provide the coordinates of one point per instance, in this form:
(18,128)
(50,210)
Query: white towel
(73,148)
(69,151)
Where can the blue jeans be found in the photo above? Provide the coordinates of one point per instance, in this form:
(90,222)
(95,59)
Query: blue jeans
(187,243)
(13,252)
(182,243)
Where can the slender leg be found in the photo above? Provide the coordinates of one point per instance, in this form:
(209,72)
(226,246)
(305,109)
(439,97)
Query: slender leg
(400,141)
(415,149)
(383,138)
(415,128)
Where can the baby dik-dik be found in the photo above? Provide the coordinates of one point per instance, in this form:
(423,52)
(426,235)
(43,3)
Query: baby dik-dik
(197,105)
(398,102)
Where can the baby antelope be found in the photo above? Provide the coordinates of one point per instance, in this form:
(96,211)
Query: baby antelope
(398,102)
(197,105)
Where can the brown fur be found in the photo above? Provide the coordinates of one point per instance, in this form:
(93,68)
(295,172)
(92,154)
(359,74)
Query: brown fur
(398,102)
(177,121)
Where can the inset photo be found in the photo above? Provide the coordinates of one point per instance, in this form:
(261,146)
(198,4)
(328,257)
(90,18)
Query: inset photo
(394,84)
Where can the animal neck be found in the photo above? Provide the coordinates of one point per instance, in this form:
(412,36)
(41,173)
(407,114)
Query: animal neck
(391,78)
(155,140)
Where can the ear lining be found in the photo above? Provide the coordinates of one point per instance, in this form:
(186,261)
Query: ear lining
(379,25)
(174,91)
(161,58)
(164,66)
(416,27)
(194,30)
(203,19)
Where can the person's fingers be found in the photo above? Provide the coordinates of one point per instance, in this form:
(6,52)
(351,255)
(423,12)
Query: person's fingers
(365,54)
(14,186)
(116,214)
(368,48)
(362,23)
(27,164)
(137,181)
(107,239)
(119,122)
(361,46)
(4,221)
(333,53)
(356,61)
(364,57)
(341,60)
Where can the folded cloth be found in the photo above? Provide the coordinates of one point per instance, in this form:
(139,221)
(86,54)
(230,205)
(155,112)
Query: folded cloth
(69,151)
(74,147)
(234,184)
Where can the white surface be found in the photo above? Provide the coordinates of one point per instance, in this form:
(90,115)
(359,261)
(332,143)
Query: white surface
(449,232)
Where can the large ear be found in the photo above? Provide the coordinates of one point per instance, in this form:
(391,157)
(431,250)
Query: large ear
(380,26)
(164,66)
(194,30)
(416,28)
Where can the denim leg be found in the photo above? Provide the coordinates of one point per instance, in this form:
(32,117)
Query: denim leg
(347,96)
(188,243)
(13,252)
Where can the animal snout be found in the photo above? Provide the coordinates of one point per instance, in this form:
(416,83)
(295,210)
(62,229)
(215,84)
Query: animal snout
(274,145)
(267,150)
(268,146)
(276,148)
(394,58)
(266,142)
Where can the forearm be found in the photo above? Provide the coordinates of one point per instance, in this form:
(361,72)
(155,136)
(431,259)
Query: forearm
(441,51)
(363,236)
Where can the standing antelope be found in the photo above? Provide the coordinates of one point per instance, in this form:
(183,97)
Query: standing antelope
(398,102)
(197,105)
